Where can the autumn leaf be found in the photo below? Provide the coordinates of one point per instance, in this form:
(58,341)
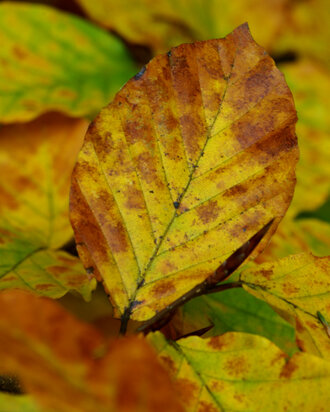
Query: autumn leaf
(50,60)
(164,23)
(234,310)
(18,403)
(297,287)
(243,372)
(162,194)
(309,83)
(36,160)
(67,367)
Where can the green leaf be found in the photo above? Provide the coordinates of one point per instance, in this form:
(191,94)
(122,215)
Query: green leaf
(236,310)
(50,60)
(18,403)
(243,372)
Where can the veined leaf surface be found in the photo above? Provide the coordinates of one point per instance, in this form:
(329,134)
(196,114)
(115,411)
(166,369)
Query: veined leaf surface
(67,366)
(50,60)
(194,156)
(36,161)
(298,287)
(234,310)
(243,372)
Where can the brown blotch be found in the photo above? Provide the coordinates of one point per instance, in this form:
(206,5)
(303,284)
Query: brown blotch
(19,52)
(288,370)
(216,342)
(168,121)
(7,200)
(169,364)
(236,366)
(163,289)
(207,407)
(77,280)
(289,288)
(57,270)
(280,356)
(45,286)
(299,326)
(187,390)
(118,241)
(168,267)
(147,168)
(235,191)
(266,273)
(209,212)
(134,198)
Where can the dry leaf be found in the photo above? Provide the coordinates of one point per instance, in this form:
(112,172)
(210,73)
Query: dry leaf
(163,193)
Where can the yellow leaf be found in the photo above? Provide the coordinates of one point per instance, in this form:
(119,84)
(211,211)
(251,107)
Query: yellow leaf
(67,366)
(18,403)
(163,24)
(195,155)
(305,30)
(243,372)
(36,161)
(297,287)
(50,60)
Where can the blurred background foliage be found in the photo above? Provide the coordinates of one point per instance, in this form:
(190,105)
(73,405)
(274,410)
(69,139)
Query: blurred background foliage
(71,57)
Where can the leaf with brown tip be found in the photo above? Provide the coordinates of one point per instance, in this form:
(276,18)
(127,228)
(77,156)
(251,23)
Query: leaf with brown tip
(195,155)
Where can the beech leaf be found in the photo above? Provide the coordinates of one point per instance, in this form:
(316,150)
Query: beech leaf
(243,372)
(195,155)
(297,287)
(163,24)
(51,60)
(67,366)
(36,161)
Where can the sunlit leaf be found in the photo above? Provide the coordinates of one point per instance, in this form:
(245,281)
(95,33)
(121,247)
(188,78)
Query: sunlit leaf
(235,310)
(163,193)
(297,287)
(36,161)
(18,403)
(66,365)
(243,372)
(50,60)
(163,24)
(305,30)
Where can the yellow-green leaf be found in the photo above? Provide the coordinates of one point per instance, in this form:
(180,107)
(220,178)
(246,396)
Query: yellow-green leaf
(163,24)
(234,310)
(195,155)
(50,60)
(36,161)
(67,366)
(243,372)
(18,403)
(297,287)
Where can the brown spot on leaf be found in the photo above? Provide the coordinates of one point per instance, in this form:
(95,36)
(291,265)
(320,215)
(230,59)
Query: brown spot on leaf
(57,270)
(164,288)
(45,286)
(187,389)
(266,273)
(288,369)
(216,342)
(236,366)
(207,407)
(209,212)
(19,53)
(289,288)
(169,364)
(134,198)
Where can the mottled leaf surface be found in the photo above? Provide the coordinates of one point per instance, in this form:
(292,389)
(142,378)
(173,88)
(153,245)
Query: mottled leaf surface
(162,194)
(50,60)
(67,366)
(297,287)
(243,372)
(36,161)
(163,24)
(234,310)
